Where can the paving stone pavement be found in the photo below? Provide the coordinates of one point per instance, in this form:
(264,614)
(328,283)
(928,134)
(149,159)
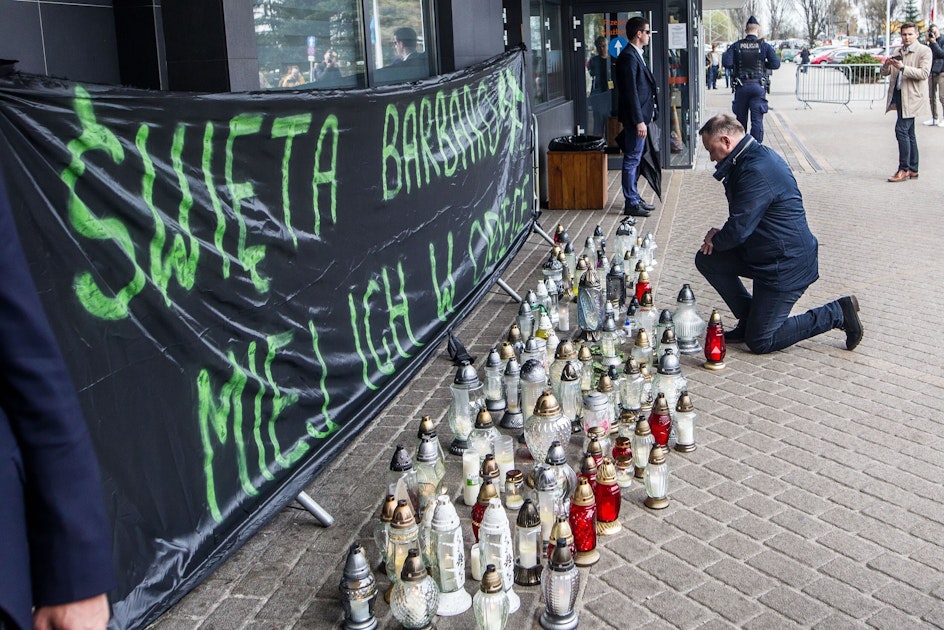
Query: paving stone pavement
(814,498)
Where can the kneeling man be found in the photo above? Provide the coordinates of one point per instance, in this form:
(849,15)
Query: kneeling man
(766,238)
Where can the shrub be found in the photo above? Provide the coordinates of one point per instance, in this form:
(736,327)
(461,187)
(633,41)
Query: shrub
(865,70)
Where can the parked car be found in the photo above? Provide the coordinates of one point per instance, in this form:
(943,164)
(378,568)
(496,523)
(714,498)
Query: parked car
(839,55)
(829,55)
(789,54)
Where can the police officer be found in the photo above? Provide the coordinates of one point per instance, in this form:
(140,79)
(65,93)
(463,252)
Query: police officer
(749,60)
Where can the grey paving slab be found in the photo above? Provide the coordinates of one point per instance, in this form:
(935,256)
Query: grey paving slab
(815,496)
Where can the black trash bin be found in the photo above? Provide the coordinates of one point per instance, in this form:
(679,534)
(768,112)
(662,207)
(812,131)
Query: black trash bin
(576,173)
(577,143)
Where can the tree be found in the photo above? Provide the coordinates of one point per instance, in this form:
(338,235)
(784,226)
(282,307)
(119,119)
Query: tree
(873,12)
(910,12)
(777,11)
(814,14)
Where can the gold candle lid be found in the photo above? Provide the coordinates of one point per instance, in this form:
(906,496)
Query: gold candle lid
(506,351)
(605,384)
(426,426)
(642,340)
(657,455)
(661,405)
(490,469)
(547,405)
(583,495)
(491,580)
(565,350)
(561,529)
(514,334)
(585,354)
(606,472)
(487,492)
(684,403)
(403,515)
(387,508)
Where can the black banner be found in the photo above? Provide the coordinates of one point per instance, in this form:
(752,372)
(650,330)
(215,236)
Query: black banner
(239,281)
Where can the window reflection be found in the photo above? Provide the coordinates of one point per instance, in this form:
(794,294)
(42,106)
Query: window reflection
(398,39)
(547,67)
(327,44)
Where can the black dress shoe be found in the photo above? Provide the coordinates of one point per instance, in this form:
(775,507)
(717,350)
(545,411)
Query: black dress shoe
(646,206)
(736,334)
(635,210)
(851,323)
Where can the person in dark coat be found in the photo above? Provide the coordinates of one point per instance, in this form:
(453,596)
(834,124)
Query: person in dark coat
(750,61)
(55,542)
(636,88)
(766,238)
(936,80)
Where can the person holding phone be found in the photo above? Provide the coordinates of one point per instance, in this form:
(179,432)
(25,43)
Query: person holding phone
(908,74)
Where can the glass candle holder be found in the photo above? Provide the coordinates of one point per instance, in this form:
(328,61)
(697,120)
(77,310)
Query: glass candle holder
(642,443)
(546,425)
(685,421)
(468,396)
(689,325)
(414,599)
(511,382)
(583,510)
(358,590)
(495,547)
(490,604)
(528,545)
(514,490)
(494,393)
(623,460)
(533,381)
(608,498)
(447,559)
(560,583)
(656,479)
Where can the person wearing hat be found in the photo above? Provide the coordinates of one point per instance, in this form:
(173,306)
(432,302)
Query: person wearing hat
(749,60)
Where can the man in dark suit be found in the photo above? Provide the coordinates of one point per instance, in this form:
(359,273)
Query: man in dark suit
(636,88)
(766,238)
(54,537)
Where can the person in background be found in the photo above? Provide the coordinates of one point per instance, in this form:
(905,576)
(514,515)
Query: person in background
(766,238)
(750,59)
(936,81)
(599,68)
(908,73)
(329,73)
(55,542)
(636,88)
(292,78)
(804,59)
(714,64)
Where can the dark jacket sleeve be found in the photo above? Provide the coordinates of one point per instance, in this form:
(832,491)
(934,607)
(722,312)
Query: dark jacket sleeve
(68,535)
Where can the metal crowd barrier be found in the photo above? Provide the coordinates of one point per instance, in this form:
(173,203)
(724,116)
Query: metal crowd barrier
(840,84)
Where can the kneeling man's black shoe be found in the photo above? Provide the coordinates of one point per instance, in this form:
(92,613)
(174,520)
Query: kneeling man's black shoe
(646,206)
(635,210)
(736,334)
(851,323)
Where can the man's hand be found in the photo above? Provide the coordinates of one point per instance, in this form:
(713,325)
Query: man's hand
(641,130)
(707,247)
(86,614)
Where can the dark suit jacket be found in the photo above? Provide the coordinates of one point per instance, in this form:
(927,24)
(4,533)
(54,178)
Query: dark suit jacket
(766,223)
(636,88)
(54,538)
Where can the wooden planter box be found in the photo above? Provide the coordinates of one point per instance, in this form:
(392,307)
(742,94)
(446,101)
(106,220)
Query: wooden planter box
(576,180)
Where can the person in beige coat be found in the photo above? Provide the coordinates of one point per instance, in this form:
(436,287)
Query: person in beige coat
(908,95)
